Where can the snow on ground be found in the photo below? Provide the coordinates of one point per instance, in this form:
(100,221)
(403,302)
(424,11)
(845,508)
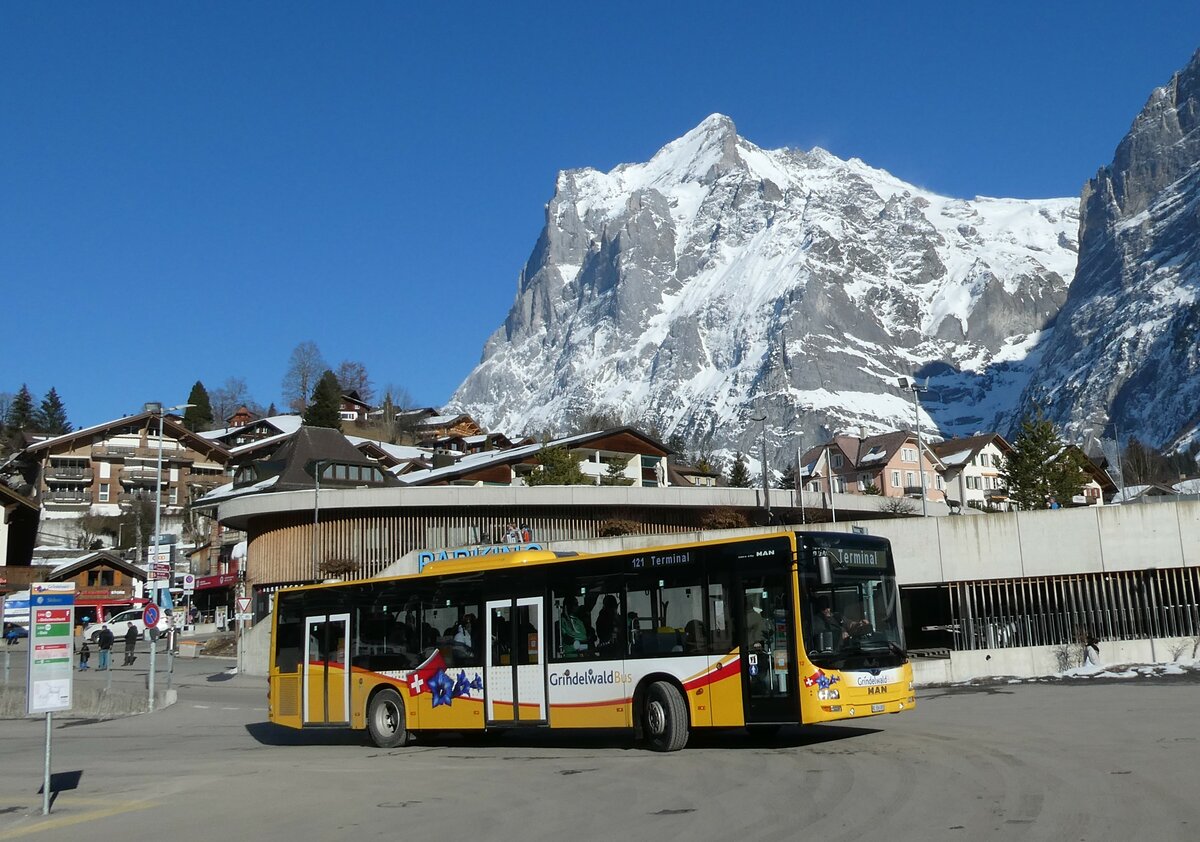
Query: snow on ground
(1184,666)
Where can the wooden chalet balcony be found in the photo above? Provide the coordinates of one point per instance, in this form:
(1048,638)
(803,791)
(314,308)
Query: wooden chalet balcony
(67,498)
(123,452)
(141,475)
(111,451)
(69,474)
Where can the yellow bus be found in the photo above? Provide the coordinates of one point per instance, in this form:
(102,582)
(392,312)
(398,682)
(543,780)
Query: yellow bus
(750,632)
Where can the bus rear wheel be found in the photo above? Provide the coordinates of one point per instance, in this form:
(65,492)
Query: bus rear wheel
(385,719)
(664,717)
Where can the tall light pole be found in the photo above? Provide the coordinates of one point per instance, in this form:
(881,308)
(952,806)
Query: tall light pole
(765,483)
(911,384)
(157,408)
(800,479)
(316,509)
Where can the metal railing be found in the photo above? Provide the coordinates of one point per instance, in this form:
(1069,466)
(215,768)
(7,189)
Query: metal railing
(1055,610)
(76,497)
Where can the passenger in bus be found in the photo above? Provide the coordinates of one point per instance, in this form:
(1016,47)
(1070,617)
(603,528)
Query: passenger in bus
(464,634)
(608,628)
(695,639)
(573,631)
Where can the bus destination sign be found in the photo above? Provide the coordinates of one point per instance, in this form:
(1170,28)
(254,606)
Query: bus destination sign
(875,559)
(660,561)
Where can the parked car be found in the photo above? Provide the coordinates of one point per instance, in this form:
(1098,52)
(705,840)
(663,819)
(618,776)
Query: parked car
(120,622)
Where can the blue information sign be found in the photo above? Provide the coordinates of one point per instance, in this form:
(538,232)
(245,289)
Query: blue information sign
(150,616)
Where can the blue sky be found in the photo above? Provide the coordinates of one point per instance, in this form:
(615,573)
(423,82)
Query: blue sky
(189,190)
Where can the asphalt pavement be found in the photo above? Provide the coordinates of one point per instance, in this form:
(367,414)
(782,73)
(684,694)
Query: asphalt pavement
(1083,760)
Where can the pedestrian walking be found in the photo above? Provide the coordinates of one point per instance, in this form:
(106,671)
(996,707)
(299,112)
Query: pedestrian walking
(105,641)
(1091,651)
(84,654)
(131,636)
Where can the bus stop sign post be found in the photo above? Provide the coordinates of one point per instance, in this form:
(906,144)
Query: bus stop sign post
(150,621)
(51,653)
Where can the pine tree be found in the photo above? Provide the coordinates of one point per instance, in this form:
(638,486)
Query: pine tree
(20,412)
(51,417)
(326,403)
(739,475)
(199,416)
(788,479)
(615,474)
(271,410)
(559,467)
(1040,469)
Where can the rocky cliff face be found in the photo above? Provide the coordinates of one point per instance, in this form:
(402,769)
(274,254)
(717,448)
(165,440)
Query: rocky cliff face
(720,281)
(1126,351)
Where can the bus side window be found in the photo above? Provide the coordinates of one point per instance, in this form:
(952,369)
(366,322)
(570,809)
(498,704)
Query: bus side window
(720,619)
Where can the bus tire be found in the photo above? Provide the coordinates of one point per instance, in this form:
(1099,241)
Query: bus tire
(664,717)
(385,719)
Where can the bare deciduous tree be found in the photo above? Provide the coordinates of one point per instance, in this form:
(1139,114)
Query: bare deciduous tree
(898,506)
(228,397)
(352,377)
(304,370)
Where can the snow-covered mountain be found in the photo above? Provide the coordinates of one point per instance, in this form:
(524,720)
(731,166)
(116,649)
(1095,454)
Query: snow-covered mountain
(719,281)
(1126,351)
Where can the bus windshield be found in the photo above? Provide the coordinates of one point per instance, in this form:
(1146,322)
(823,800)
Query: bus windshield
(857,616)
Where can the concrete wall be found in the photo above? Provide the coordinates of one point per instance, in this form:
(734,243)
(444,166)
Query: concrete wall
(1046,543)
(90,702)
(1034,661)
(255,655)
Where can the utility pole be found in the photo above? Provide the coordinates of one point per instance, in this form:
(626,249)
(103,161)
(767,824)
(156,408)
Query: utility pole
(911,384)
(765,484)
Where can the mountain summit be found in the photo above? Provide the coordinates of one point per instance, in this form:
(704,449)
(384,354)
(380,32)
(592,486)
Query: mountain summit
(719,281)
(1126,354)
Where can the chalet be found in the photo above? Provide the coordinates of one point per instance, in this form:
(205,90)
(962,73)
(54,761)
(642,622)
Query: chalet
(972,469)
(105,583)
(640,460)
(353,408)
(18,526)
(100,469)
(885,464)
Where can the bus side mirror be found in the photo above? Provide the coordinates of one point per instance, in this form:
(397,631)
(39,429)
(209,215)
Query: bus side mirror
(825,569)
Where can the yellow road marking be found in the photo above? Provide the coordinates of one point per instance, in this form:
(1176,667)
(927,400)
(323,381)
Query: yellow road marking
(54,822)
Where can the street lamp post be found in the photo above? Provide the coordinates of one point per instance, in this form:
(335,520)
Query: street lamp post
(157,409)
(765,483)
(316,510)
(913,386)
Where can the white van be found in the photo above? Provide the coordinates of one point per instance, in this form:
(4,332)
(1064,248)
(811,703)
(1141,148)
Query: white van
(119,623)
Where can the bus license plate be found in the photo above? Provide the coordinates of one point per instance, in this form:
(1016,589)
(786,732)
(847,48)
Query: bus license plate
(876,708)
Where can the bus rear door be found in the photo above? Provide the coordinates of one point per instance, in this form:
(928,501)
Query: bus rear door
(514,674)
(326,676)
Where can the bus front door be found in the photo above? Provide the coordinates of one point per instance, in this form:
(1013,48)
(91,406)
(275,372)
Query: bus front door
(514,676)
(326,676)
(768,671)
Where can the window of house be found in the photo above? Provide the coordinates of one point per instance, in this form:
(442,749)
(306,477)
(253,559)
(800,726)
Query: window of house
(908,454)
(941,485)
(895,479)
(837,460)
(174,496)
(910,479)
(103,492)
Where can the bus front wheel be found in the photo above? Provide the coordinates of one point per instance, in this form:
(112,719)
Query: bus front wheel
(385,719)
(665,717)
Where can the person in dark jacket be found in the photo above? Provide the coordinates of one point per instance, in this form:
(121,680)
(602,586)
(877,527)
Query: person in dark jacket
(105,642)
(131,636)
(85,654)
